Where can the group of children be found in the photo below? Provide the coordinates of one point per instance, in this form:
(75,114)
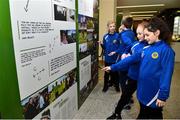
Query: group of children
(149,63)
(114,45)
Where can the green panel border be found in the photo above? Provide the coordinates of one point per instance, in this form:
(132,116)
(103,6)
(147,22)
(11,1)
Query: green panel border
(80,100)
(10,106)
(77,53)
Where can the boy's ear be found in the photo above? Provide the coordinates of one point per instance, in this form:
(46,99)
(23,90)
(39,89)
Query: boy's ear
(157,33)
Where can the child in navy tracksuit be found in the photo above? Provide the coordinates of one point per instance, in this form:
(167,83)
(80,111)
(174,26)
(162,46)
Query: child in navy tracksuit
(111,44)
(133,73)
(127,38)
(156,69)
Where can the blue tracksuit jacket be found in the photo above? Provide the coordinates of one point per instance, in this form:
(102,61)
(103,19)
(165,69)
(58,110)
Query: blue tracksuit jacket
(133,71)
(127,38)
(111,43)
(155,73)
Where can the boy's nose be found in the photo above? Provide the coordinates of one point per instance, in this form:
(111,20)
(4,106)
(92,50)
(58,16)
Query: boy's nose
(145,37)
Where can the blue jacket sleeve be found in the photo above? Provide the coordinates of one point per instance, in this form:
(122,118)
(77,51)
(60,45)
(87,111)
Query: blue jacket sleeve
(166,75)
(123,64)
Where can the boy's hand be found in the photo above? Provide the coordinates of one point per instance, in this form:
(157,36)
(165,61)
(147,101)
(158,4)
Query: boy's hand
(160,103)
(125,56)
(107,69)
(121,28)
(100,42)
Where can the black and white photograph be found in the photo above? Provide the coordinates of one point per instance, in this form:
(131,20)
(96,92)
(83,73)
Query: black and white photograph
(60,13)
(71,15)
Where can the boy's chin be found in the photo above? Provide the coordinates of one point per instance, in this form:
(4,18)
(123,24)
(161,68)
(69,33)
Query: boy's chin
(150,43)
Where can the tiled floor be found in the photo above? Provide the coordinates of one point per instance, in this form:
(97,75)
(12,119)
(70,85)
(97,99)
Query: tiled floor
(100,105)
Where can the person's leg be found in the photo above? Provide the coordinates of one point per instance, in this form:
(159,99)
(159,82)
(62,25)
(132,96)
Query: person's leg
(122,79)
(149,113)
(155,113)
(131,101)
(125,97)
(106,79)
(115,80)
(130,88)
(143,114)
(111,80)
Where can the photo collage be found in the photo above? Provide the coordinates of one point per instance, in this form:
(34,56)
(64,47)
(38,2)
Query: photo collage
(87,35)
(35,103)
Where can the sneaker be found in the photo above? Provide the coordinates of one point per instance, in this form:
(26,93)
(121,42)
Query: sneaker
(114,116)
(105,89)
(127,107)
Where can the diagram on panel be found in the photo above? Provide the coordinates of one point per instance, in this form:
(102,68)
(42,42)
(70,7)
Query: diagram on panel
(38,73)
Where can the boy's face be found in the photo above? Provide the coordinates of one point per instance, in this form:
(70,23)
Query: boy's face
(112,27)
(151,37)
(140,34)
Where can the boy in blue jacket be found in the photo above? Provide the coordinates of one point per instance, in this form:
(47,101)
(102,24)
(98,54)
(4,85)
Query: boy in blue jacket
(127,37)
(156,69)
(111,43)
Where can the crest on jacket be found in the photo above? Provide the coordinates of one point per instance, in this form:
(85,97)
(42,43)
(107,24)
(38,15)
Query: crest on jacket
(154,55)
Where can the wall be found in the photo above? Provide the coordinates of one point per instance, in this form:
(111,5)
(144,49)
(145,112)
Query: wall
(176,48)
(107,11)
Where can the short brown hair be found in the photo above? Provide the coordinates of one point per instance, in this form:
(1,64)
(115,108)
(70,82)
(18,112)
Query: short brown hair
(127,22)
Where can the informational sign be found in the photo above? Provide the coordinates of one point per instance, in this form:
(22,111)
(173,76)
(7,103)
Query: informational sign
(44,39)
(85,71)
(88,47)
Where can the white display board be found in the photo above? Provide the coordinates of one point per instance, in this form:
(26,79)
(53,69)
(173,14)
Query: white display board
(85,71)
(44,41)
(85,7)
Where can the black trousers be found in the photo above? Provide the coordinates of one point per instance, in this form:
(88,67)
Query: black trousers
(149,113)
(123,79)
(111,77)
(130,88)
